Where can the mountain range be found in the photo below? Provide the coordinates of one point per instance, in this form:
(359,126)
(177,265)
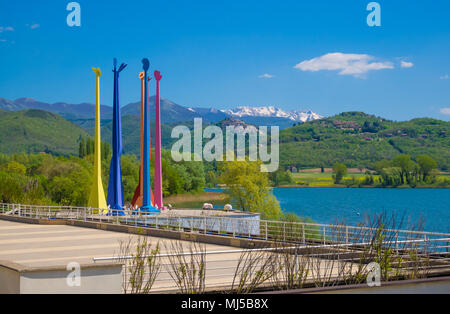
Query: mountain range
(170,112)
(272,112)
(306,139)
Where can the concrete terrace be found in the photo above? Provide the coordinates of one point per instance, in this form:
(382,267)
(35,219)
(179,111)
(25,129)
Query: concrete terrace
(51,245)
(36,245)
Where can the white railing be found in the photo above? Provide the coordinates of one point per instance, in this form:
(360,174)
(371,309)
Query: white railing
(336,247)
(237,227)
(320,265)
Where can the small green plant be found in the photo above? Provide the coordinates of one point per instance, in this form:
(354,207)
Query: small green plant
(187,269)
(254,268)
(141,270)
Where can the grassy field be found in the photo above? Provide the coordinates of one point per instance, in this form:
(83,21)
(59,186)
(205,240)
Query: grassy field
(188,200)
(315,178)
(322,178)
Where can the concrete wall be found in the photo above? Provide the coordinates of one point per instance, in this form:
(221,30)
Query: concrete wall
(171,234)
(95,278)
(9,279)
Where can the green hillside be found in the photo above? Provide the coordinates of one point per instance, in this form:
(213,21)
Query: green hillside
(354,138)
(358,140)
(33,131)
(131,132)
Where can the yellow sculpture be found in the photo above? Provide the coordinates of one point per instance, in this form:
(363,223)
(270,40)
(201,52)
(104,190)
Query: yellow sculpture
(97,198)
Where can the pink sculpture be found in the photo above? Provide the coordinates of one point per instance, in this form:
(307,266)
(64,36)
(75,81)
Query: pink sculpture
(158,172)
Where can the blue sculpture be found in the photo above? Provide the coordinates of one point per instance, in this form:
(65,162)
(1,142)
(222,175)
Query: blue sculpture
(115,187)
(146,197)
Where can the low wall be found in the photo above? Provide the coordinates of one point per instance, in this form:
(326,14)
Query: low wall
(94,278)
(171,234)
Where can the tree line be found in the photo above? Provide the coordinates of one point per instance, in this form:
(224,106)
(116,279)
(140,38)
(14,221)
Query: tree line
(401,170)
(66,180)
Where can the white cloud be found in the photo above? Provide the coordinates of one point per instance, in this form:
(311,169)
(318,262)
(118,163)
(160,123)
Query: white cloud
(7,28)
(405,64)
(33,26)
(266,75)
(346,63)
(445,111)
(444,77)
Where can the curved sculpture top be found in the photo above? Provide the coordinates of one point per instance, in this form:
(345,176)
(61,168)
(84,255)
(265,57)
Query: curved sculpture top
(158,75)
(145,64)
(97,71)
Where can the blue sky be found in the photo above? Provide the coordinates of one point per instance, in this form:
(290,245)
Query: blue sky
(318,55)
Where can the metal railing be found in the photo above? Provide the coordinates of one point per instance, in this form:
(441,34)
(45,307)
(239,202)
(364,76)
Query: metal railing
(231,226)
(327,249)
(309,265)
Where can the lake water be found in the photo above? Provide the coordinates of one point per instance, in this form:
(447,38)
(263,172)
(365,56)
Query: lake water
(325,205)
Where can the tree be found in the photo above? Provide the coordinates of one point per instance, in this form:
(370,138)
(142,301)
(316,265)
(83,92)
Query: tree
(281,177)
(249,188)
(391,176)
(380,165)
(15,167)
(339,172)
(82,148)
(427,165)
(406,166)
(211,178)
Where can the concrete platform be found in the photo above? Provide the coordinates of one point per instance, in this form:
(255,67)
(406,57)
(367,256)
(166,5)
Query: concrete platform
(55,245)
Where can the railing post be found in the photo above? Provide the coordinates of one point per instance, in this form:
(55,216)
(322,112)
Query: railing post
(303,234)
(204,224)
(19,210)
(267,233)
(346,234)
(324,230)
(396,242)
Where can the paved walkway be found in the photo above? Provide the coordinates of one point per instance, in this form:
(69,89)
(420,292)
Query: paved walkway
(54,245)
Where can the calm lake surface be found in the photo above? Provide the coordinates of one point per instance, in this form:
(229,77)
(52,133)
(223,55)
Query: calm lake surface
(325,205)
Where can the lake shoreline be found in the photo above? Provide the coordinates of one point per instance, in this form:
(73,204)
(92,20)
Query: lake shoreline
(360,187)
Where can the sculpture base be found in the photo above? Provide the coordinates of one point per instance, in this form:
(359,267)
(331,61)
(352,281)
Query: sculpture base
(115,212)
(149,209)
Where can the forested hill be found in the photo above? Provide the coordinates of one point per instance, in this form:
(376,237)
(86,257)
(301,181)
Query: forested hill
(358,140)
(34,131)
(354,138)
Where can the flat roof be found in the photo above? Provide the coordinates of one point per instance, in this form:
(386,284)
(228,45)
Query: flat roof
(54,245)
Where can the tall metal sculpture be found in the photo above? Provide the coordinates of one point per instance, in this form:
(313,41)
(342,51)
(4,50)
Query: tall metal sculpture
(158,170)
(138,193)
(146,191)
(115,187)
(97,196)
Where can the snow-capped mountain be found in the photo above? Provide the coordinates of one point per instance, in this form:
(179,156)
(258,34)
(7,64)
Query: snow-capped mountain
(273,112)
